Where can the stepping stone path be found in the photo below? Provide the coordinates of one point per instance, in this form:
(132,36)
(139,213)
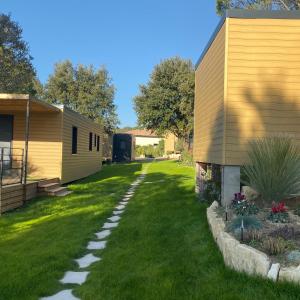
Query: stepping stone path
(79,277)
(87,260)
(74,277)
(103,234)
(96,245)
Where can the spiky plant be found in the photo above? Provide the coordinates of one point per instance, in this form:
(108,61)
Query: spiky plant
(274,168)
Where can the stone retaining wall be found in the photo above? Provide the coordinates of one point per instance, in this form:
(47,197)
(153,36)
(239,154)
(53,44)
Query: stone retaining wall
(243,258)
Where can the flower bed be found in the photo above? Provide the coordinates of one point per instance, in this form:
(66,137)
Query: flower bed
(249,255)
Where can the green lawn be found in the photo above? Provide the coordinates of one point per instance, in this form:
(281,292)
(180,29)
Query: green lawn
(162,248)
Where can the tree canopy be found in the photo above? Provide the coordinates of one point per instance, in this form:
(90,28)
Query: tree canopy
(16,70)
(166,102)
(85,90)
(258,4)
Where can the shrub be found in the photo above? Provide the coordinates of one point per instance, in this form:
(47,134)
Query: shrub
(250,223)
(286,232)
(187,158)
(274,169)
(274,246)
(297,211)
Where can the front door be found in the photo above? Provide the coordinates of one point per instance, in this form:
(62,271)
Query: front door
(6,137)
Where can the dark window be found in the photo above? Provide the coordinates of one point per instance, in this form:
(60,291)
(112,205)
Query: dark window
(74,139)
(98,143)
(91,141)
(95,141)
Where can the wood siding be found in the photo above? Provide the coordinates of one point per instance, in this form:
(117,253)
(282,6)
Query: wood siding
(44,147)
(263,87)
(85,162)
(209,103)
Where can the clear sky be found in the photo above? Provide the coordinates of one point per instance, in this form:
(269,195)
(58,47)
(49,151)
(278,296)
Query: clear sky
(127,37)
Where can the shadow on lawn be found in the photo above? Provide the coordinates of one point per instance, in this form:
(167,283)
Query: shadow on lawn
(164,250)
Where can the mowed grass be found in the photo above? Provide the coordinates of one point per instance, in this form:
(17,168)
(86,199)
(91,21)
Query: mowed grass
(163,249)
(39,242)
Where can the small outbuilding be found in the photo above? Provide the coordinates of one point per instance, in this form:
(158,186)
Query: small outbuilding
(247,87)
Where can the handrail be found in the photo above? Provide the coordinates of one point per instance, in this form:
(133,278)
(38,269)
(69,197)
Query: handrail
(11,166)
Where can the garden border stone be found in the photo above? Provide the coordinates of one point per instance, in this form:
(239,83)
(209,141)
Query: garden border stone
(241,257)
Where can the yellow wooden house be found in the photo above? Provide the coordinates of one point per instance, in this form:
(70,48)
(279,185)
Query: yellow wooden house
(51,141)
(247,87)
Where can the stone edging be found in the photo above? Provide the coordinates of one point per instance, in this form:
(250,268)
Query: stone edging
(243,258)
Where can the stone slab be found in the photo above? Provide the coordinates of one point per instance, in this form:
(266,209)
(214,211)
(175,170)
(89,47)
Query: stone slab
(123,203)
(103,234)
(74,277)
(96,245)
(62,295)
(118,212)
(274,272)
(110,225)
(87,260)
(120,207)
(114,218)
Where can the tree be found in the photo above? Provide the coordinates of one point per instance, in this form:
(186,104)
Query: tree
(166,103)
(258,4)
(85,90)
(16,71)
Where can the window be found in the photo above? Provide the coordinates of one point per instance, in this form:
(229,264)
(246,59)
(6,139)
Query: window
(91,141)
(98,143)
(95,141)
(74,139)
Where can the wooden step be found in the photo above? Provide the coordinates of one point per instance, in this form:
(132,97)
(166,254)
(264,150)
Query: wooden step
(48,181)
(56,191)
(63,193)
(48,187)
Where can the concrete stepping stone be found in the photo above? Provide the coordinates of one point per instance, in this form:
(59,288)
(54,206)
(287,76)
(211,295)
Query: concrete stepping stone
(114,218)
(87,260)
(129,194)
(120,207)
(118,212)
(75,277)
(96,245)
(103,234)
(110,225)
(124,203)
(62,295)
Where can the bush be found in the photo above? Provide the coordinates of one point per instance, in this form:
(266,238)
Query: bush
(250,223)
(297,211)
(187,158)
(150,150)
(274,169)
(274,246)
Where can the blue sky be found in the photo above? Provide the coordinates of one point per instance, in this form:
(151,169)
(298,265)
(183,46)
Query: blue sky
(127,37)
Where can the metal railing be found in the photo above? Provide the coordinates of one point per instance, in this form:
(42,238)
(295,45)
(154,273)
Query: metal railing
(11,166)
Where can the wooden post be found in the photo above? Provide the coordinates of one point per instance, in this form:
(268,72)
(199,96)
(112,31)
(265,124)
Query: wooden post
(1,177)
(26,141)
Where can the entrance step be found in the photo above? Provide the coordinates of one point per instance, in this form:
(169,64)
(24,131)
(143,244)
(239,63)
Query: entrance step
(52,187)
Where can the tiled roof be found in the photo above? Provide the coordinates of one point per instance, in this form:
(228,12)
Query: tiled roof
(142,132)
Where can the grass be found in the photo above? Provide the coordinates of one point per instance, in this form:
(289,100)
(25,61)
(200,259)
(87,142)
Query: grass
(162,248)
(38,242)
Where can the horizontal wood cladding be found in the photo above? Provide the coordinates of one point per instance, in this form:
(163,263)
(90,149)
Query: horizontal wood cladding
(85,162)
(209,103)
(263,83)
(44,147)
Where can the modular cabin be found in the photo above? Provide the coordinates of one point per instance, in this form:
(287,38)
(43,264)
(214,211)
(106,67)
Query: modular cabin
(123,147)
(247,86)
(39,140)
